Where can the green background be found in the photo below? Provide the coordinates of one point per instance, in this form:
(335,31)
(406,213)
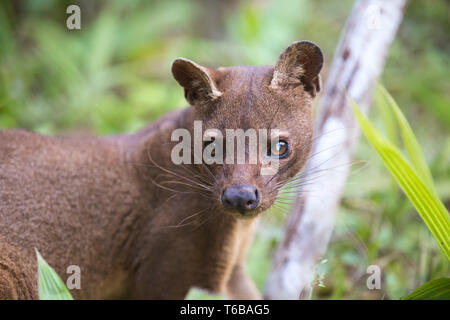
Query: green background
(114,76)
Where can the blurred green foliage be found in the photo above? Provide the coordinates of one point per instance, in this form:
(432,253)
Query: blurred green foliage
(114,76)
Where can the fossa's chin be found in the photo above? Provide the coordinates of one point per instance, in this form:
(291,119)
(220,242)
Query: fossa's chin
(252,214)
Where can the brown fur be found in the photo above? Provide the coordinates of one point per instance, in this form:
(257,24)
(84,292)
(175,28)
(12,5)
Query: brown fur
(136,224)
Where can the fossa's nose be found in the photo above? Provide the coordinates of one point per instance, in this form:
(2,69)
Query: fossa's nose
(242,198)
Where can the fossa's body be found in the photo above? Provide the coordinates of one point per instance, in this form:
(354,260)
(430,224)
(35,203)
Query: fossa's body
(138,225)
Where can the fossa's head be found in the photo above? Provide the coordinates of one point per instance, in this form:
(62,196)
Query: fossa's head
(276,100)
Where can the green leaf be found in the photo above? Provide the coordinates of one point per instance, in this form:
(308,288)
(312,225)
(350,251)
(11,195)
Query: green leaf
(50,284)
(438,289)
(409,140)
(422,195)
(386,113)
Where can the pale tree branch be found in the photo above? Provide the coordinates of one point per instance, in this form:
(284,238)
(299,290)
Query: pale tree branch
(357,63)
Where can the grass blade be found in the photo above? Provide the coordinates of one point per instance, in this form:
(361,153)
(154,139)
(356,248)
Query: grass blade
(429,207)
(51,287)
(387,116)
(438,289)
(409,140)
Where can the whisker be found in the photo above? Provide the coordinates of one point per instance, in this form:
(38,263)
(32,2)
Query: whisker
(176,174)
(197,186)
(214,213)
(180,224)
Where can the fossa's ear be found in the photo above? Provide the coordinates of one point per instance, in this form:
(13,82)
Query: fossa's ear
(300,63)
(197,81)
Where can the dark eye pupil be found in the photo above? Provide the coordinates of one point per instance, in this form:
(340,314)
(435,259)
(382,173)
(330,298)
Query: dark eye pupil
(280,149)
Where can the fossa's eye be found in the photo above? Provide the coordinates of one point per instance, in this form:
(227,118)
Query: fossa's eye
(279,149)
